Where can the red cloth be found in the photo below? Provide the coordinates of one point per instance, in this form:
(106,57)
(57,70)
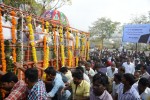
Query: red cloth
(18,92)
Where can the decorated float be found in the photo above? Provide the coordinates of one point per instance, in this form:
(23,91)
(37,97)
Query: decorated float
(47,40)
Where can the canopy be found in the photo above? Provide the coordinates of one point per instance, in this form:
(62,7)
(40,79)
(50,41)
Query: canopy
(57,16)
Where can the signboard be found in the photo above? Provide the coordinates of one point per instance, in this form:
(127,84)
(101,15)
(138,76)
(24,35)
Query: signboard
(136,33)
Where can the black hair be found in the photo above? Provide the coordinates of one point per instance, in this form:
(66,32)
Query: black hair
(98,65)
(101,78)
(31,74)
(77,74)
(63,69)
(130,78)
(118,76)
(144,67)
(50,71)
(144,81)
(87,64)
(80,68)
(9,77)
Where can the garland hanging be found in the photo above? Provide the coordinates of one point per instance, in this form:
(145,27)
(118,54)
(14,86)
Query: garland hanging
(69,51)
(88,47)
(31,37)
(54,41)
(13,34)
(77,48)
(82,46)
(62,46)
(46,49)
(2,45)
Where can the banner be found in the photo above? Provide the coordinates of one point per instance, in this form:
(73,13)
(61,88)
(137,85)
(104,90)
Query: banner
(136,33)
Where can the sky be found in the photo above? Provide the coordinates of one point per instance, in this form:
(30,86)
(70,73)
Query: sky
(82,13)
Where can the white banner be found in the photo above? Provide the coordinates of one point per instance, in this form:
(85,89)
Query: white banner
(136,33)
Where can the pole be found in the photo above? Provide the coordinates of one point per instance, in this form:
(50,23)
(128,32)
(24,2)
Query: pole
(136,47)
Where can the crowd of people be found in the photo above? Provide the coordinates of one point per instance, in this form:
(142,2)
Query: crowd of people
(108,75)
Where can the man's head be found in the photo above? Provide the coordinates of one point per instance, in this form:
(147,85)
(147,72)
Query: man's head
(100,83)
(64,70)
(128,61)
(80,63)
(77,76)
(80,68)
(87,66)
(137,75)
(8,81)
(117,77)
(143,69)
(50,73)
(128,79)
(142,84)
(121,70)
(113,66)
(31,76)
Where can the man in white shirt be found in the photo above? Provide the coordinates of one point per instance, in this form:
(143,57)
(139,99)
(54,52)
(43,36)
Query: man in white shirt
(144,72)
(129,67)
(88,70)
(111,70)
(143,89)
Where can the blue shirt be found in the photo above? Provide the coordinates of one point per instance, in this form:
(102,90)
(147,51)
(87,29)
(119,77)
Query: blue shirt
(131,94)
(38,92)
(58,85)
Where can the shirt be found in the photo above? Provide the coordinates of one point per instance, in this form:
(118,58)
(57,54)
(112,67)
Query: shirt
(111,73)
(18,92)
(38,91)
(91,72)
(83,89)
(58,85)
(85,77)
(129,68)
(146,75)
(115,88)
(104,96)
(131,94)
(145,95)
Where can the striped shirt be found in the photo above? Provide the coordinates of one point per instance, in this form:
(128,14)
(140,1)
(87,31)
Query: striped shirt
(131,94)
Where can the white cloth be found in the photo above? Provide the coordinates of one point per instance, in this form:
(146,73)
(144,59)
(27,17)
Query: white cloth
(111,73)
(129,68)
(90,72)
(115,88)
(146,75)
(145,95)
(86,78)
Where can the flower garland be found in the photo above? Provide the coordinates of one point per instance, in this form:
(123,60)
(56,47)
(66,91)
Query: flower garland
(2,45)
(13,34)
(69,51)
(82,46)
(62,47)
(31,37)
(88,47)
(46,49)
(54,41)
(77,48)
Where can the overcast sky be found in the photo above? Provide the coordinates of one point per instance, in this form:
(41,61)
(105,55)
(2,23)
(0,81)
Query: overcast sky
(82,13)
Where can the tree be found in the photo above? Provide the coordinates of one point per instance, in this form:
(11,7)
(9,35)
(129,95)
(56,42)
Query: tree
(103,27)
(37,6)
(142,19)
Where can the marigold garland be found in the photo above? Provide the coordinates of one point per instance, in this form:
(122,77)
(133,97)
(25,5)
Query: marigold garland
(31,37)
(77,48)
(82,46)
(62,47)
(46,49)
(2,45)
(69,51)
(88,47)
(54,41)
(13,34)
